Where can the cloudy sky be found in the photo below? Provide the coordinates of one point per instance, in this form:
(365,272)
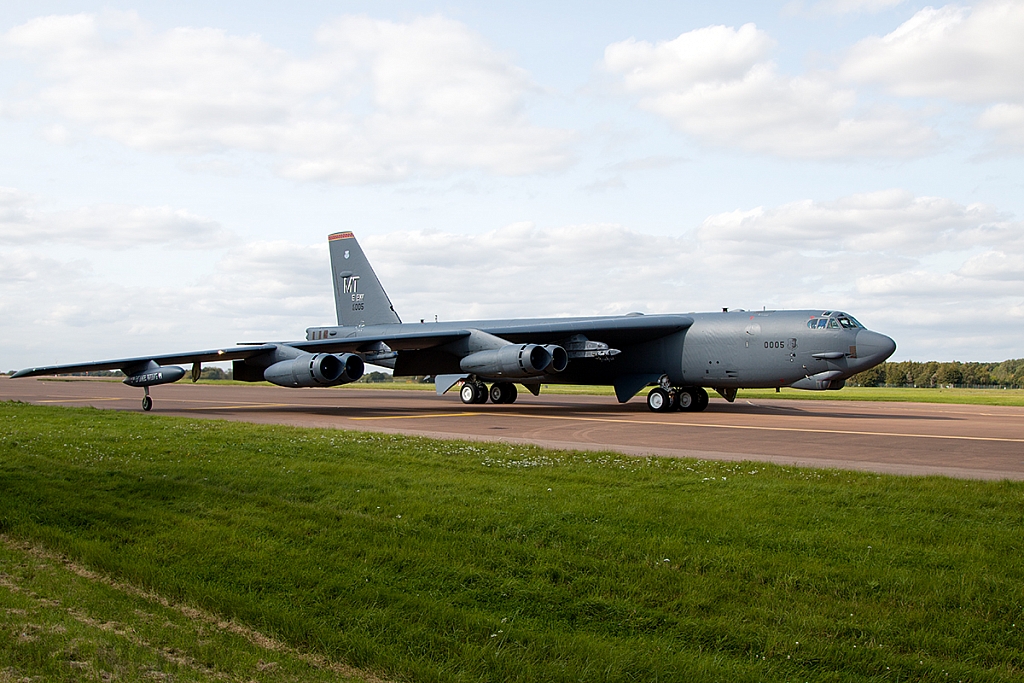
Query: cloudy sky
(169,172)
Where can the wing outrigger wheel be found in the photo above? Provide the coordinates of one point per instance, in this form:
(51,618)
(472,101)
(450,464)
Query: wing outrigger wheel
(147,402)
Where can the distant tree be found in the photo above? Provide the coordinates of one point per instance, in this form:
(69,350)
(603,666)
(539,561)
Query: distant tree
(375,377)
(950,373)
(874,377)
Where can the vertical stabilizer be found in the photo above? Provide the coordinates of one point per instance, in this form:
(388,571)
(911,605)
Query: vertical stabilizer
(358,296)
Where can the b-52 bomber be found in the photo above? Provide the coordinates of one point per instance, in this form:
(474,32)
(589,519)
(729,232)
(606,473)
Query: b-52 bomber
(681,356)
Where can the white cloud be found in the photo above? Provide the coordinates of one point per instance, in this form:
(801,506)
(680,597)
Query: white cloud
(105,226)
(966,55)
(995,265)
(718,84)
(961,54)
(1007,122)
(892,221)
(377,101)
(912,267)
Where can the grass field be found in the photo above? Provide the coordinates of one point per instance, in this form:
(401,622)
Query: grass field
(205,549)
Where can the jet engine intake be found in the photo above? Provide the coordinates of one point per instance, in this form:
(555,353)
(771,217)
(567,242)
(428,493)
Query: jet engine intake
(315,370)
(513,360)
(559,358)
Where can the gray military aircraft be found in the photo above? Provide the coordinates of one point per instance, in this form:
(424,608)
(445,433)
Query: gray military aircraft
(682,356)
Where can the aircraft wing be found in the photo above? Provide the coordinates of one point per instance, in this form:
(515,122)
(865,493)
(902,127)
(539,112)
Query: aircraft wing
(398,341)
(209,356)
(617,331)
(402,341)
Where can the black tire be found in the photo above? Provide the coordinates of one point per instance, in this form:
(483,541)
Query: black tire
(468,393)
(503,392)
(481,392)
(658,400)
(500,392)
(687,400)
(147,403)
(702,399)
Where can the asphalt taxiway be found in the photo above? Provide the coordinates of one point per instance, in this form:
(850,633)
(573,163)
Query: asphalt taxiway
(967,441)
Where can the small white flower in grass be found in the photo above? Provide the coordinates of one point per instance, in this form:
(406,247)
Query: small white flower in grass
(549,489)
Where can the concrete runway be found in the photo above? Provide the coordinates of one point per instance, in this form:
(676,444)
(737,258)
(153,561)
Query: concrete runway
(976,442)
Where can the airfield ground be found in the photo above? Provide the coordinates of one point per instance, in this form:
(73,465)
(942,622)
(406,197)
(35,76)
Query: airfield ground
(966,441)
(140,547)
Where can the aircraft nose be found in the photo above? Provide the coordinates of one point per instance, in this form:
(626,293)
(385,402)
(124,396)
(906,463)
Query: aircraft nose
(874,347)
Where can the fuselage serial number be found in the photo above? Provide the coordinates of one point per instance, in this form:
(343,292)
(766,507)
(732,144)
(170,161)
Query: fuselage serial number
(775,345)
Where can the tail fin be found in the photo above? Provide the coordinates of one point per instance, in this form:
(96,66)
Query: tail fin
(358,296)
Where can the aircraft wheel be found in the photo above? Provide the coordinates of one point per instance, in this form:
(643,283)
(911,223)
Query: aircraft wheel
(702,399)
(503,392)
(658,400)
(147,403)
(468,393)
(687,400)
(481,392)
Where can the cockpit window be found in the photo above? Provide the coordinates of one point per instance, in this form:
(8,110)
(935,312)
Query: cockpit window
(834,320)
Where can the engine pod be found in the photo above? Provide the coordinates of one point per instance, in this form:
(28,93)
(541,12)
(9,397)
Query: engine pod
(315,370)
(514,360)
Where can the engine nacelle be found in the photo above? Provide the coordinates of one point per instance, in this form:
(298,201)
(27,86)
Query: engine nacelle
(559,358)
(315,370)
(514,360)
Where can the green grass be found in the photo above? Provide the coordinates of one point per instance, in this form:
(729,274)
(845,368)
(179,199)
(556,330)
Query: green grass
(988,397)
(454,561)
(61,622)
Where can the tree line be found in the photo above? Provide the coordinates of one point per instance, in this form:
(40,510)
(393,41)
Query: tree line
(1009,373)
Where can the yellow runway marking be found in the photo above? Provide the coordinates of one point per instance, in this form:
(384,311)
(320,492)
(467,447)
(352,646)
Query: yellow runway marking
(414,417)
(768,429)
(244,405)
(79,400)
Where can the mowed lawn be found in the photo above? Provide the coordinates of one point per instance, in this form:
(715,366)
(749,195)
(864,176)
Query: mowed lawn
(426,560)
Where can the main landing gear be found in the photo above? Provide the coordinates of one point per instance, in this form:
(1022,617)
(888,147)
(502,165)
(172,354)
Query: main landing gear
(690,399)
(500,392)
